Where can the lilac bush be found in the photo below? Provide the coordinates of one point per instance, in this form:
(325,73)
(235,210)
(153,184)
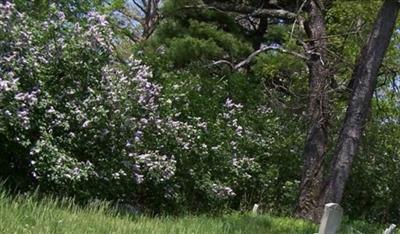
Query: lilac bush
(69,100)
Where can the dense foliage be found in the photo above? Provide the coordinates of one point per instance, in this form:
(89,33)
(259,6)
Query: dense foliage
(85,112)
(79,120)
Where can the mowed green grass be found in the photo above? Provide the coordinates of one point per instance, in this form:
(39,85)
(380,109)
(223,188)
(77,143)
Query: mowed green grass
(26,214)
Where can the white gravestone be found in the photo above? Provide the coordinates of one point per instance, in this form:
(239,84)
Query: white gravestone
(255,209)
(331,219)
(390,229)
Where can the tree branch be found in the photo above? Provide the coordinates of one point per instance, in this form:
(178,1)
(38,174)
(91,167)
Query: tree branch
(257,52)
(278,13)
(138,6)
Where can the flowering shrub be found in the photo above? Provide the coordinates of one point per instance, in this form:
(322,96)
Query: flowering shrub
(68,100)
(79,120)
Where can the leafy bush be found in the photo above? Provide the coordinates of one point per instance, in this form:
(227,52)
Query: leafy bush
(77,119)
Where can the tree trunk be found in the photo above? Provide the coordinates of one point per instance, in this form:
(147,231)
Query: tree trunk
(316,142)
(365,77)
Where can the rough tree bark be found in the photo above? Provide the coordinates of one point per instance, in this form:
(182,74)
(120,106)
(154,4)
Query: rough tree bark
(365,76)
(317,136)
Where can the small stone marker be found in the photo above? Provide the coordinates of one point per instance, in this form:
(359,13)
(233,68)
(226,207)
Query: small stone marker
(390,229)
(331,219)
(255,208)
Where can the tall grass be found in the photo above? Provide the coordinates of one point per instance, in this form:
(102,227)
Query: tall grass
(28,214)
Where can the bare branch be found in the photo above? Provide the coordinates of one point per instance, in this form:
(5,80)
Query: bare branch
(257,52)
(203,6)
(242,9)
(300,19)
(145,13)
(224,62)
(138,5)
(131,15)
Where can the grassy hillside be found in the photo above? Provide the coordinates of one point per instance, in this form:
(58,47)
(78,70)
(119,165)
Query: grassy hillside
(25,214)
